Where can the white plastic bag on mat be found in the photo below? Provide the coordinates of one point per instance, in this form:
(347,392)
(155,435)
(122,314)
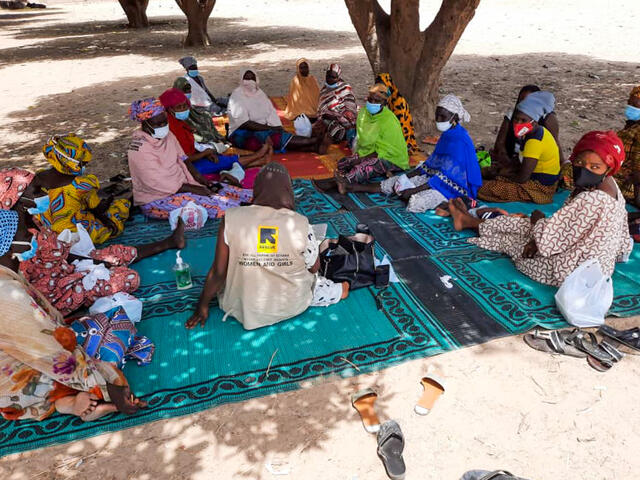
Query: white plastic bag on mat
(132,306)
(585,296)
(194,216)
(302,125)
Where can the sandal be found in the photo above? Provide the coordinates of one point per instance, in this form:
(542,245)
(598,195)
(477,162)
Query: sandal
(363,401)
(433,387)
(610,349)
(553,341)
(629,338)
(588,343)
(390,447)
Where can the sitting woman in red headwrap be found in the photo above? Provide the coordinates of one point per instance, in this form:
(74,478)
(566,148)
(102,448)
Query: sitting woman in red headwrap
(591,224)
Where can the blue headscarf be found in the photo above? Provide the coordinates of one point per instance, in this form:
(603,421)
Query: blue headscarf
(537,105)
(8,229)
(453,165)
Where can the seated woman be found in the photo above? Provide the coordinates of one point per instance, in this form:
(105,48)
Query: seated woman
(201,95)
(74,196)
(506,148)
(304,93)
(451,171)
(200,119)
(205,160)
(253,119)
(628,178)
(535,178)
(337,108)
(592,224)
(43,369)
(400,108)
(265,274)
(162,180)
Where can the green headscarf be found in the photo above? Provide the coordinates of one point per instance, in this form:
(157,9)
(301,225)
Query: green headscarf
(382,133)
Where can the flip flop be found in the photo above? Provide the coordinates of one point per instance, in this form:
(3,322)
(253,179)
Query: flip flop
(588,343)
(610,349)
(553,341)
(430,140)
(434,386)
(629,338)
(363,401)
(390,447)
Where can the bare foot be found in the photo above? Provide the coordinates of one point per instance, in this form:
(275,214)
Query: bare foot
(265,147)
(324,185)
(177,237)
(324,144)
(78,404)
(345,290)
(341,183)
(441,212)
(460,205)
(99,411)
(230,179)
(457,215)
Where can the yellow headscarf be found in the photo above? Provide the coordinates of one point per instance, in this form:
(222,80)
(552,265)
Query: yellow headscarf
(304,94)
(66,153)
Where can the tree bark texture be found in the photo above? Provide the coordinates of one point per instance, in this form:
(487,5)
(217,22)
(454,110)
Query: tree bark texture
(136,12)
(394,43)
(197,13)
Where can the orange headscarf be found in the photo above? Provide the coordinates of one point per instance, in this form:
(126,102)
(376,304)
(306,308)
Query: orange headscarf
(304,94)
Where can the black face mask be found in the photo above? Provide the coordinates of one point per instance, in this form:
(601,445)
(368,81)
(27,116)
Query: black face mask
(585,178)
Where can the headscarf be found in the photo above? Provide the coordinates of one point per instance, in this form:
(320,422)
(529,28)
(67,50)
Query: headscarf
(188,62)
(382,134)
(199,118)
(14,181)
(273,188)
(380,89)
(65,154)
(400,107)
(606,144)
(635,92)
(251,106)
(180,83)
(453,104)
(334,67)
(537,104)
(304,94)
(172,97)
(8,229)
(144,109)
(248,91)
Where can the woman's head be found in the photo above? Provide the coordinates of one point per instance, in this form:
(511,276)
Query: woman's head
(67,154)
(183,85)
(449,112)
(176,103)
(526,90)
(151,115)
(535,106)
(303,67)
(333,75)
(596,156)
(249,75)
(378,95)
(190,65)
(632,110)
(273,188)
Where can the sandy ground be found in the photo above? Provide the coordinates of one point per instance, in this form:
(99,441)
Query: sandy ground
(73,67)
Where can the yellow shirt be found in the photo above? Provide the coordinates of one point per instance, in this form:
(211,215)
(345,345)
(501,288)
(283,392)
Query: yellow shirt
(541,145)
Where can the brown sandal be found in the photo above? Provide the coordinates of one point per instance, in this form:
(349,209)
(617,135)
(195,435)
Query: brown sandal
(363,401)
(434,386)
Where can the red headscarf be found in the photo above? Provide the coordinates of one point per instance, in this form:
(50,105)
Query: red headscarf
(183,132)
(607,145)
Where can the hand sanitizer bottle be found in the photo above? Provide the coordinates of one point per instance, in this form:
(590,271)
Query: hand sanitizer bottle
(183,273)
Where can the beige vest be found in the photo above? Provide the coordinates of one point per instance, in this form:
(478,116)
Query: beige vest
(267,280)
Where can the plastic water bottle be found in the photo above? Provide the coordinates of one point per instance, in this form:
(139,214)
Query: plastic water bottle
(182,272)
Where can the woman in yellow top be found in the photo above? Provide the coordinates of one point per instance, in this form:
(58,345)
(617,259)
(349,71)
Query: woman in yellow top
(304,93)
(73,196)
(534,178)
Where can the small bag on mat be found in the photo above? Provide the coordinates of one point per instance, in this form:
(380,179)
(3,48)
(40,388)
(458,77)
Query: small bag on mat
(303,127)
(193,215)
(585,296)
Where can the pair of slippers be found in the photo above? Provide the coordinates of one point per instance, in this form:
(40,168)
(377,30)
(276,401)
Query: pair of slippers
(389,435)
(580,344)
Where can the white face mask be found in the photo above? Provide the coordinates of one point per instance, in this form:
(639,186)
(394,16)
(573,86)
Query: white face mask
(443,126)
(160,132)
(250,85)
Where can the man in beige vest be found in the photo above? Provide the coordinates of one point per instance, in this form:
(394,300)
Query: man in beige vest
(266,259)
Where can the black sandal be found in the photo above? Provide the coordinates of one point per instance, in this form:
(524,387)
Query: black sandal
(553,341)
(629,338)
(610,349)
(588,343)
(390,447)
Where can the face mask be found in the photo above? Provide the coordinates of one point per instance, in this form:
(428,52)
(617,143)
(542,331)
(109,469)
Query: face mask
(250,85)
(28,254)
(632,113)
(193,73)
(42,205)
(443,126)
(182,115)
(188,95)
(160,132)
(521,129)
(373,108)
(330,85)
(582,177)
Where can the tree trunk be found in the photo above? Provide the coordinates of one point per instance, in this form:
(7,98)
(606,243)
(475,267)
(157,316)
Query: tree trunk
(197,12)
(136,11)
(415,59)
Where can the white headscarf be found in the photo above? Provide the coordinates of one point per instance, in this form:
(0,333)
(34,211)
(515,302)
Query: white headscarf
(246,104)
(247,86)
(454,105)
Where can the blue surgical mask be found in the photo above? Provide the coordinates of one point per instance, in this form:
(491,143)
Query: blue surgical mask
(188,95)
(330,85)
(182,115)
(193,73)
(160,132)
(373,108)
(42,205)
(632,113)
(28,254)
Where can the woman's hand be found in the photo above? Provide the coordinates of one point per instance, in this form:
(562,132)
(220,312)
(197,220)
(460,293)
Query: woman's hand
(535,216)
(530,249)
(198,318)
(124,400)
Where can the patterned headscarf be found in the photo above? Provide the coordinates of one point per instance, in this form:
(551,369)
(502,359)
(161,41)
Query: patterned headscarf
(607,145)
(181,83)
(188,62)
(453,104)
(65,154)
(635,92)
(13,183)
(334,67)
(8,229)
(144,109)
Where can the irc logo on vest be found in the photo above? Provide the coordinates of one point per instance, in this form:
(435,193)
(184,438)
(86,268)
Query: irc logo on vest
(267,239)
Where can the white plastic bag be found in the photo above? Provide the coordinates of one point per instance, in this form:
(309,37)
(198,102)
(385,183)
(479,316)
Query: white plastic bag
(302,125)
(194,216)
(132,306)
(80,241)
(402,183)
(585,296)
